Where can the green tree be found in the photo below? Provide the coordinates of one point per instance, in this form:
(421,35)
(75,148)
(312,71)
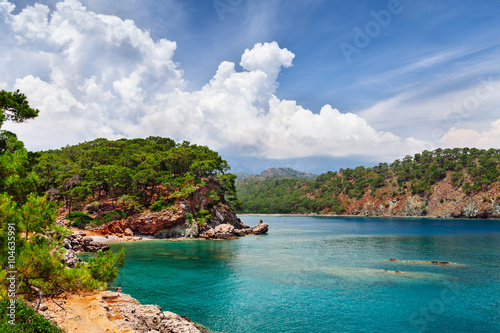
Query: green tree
(15,107)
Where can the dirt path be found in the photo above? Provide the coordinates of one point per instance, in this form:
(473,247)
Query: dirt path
(84,314)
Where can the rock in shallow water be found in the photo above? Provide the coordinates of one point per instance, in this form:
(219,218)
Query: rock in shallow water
(259,229)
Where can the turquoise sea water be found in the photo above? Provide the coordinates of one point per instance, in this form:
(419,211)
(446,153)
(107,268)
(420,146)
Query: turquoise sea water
(313,274)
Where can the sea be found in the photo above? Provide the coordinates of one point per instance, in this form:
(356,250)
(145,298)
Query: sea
(327,274)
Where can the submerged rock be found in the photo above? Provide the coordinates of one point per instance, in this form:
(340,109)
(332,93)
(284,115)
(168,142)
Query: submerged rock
(431,262)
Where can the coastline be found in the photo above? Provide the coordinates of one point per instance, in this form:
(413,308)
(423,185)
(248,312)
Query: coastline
(115,312)
(368,216)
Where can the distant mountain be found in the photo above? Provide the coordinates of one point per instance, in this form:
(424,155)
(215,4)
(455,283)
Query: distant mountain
(458,182)
(286,173)
(242,175)
(276,173)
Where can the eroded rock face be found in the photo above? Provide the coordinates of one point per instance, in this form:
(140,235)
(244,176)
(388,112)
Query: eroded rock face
(128,312)
(192,230)
(166,223)
(224,215)
(108,311)
(173,222)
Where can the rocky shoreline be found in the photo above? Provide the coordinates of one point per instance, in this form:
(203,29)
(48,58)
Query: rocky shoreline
(115,312)
(78,241)
(119,312)
(177,222)
(495,218)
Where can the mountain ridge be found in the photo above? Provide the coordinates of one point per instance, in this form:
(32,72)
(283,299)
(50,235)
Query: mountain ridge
(460,182)
(276,173)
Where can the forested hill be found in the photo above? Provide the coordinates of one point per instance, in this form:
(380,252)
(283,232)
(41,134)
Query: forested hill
(275,173)
(460,182)
(133,175)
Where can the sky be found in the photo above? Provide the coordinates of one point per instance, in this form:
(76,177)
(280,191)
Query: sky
(315,85)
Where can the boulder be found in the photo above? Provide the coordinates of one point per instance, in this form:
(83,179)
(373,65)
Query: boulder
(70,259)
(127,232)
(239,232)
(260,229)
(67,244)
(209,233)
(224,228)
(75,241)
(224,231)
(89,245)
(224,235)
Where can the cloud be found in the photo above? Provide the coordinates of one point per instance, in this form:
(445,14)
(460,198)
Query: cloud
(268,58)
(430,110)
(460,137)
(94,75)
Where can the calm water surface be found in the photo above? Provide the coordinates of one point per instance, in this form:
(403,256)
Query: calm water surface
(313,274)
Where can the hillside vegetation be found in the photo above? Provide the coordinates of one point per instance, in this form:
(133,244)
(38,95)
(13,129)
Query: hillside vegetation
(31,243)
(138,174)
(275,173)
(460,182)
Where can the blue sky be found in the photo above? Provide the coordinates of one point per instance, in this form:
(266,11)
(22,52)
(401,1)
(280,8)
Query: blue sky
(400,76)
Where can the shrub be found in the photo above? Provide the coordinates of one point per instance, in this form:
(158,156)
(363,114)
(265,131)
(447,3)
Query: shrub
(203,216)
(111,216)
(79,219)
(160,204)
(131,203)
(104,266)
(27,321)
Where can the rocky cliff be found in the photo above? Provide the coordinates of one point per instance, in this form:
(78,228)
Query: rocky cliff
(114,312)
(201,215)
(175,222)
(445,201)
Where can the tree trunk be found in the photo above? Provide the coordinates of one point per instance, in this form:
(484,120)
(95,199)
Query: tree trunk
(40,296)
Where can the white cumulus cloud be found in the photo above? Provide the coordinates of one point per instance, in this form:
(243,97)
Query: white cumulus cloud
(460,137)
(94,75)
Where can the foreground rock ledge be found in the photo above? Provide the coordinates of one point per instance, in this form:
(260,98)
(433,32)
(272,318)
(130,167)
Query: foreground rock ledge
(115,312)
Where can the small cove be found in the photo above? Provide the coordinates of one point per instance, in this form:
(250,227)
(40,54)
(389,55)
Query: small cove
(327,274)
